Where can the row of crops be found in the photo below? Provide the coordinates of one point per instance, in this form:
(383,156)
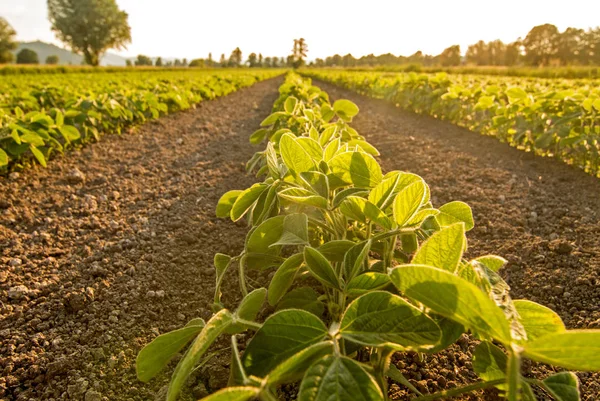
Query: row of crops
(43,114)
(551,117)
(363,265)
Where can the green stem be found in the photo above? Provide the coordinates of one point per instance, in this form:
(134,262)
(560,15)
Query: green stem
(459,390)
(242,272)
(514,375)
(393,233)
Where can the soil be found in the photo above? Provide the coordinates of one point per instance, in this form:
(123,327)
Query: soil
(113,245)
(540,214)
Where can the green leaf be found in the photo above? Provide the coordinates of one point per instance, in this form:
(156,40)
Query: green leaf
(246,200)
(292,369)
(290,104)
(3,158)
(537,320)
(215,326)
(331,149)
(320,267)
(272,119)
(563,386)
(454,298)
(335,250)
(357,168)
(226,203)
(345,109)
(489,362)
(515,94)
(367,282)
(284,277)
(295,230)
(312,147)
(360,209)
(258,136)
(354,260)
(32,138)
(282,335)
(382,194)
(381,319)
(337,378)
(295,157)
(156,355)
(248,309)
(304,197)
(266,234)
(408,201)
(315,181)
(492,262)
(364,145)
(451,332)
(572,349)
(455,212)
(38,155)
(241,393)
(304,298)
(443,249)
(70,133)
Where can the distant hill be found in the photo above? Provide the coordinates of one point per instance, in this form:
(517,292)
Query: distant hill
(65,56)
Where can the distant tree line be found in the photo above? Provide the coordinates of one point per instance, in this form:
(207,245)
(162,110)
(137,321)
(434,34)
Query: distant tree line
(544,45)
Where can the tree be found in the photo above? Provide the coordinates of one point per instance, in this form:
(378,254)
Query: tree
(478,54)
(299,52)
(513,53)
(570,46)
(184,62)
(591,47)
(90,27)
(52,60)
(143,60)
(541,44)
(222,61)
(210,60)
(450,56)
(27,56)
(253,60)
(197,62)
(7,41)
(177,62)
(158,62)
(260,59)
(128,63)
(235,60)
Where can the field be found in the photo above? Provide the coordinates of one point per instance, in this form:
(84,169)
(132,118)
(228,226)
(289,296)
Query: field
(354,213)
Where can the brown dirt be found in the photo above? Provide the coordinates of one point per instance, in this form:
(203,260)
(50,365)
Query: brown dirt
(539,214)
(109,247)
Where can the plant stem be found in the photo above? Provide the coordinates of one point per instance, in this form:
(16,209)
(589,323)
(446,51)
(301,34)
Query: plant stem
(242,272)
(514,375)
(459,390)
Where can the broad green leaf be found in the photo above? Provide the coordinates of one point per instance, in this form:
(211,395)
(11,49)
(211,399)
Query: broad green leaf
(295,230)
(258,136)
(248,309)
(382,194)
(408,201)
(362,210)
(32,138)
(3,158)
(70,132)
(331,149)
(492,262)
(344,193)
(443,249)
(293,368)
(245,200)
(156,355)
(381,319)
(345,109)
(215,326)
(272,119)
(266,234)
(454,298)
(337,378)
(312,147)
(335,250)
(290,104)
(326,135)
(38,155)
(241,393)
(316,182)
(355,258)
(357,168)
(563,386)
(304,197)
(284,277)
(455,212)
(367,282)
(304,298)
(515,94)
(295,157)
(421,215)
(489,362)
(364,145)
(451,332)
(282,335)
(572,349)
(538,320)
(320,267)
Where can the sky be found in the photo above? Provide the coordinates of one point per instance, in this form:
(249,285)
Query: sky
(193,28)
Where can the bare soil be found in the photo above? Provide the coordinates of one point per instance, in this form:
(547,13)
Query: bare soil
(113,245)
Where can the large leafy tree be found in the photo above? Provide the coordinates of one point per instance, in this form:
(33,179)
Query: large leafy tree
(27,56)
(90,27)
(541,44)
(7,41)
(450,56)
(299,52)
(235,60)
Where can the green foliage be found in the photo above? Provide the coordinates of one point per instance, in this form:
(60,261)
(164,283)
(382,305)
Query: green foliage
(44,114)
(364,265)
(27,56)
(52,60)
(89,27)
(557,118)
(7,41)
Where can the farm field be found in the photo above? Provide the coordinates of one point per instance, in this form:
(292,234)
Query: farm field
(113,244)
(551,117)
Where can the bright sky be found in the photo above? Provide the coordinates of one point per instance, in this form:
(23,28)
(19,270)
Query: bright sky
(193,28)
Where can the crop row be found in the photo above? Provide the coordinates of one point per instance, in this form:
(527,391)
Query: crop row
(364,265)
(559,118)
(44,114)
